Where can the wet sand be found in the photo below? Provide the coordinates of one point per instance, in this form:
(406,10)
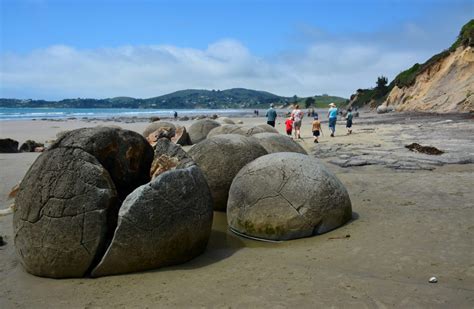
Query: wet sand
(408,225)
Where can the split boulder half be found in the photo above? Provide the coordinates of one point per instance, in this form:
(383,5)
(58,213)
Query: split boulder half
(284,196)
(68,207)
(220,158)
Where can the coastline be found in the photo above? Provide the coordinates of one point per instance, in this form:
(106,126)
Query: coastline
(408,225)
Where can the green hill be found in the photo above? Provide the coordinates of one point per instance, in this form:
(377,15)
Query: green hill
(183,99)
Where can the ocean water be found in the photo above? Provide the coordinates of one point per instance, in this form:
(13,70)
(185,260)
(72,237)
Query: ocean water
(79,113)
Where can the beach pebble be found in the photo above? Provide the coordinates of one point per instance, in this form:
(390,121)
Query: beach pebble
(433,280)
(284,196)
(221,157)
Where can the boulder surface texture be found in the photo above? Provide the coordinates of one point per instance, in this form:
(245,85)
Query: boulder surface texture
(199,129)
(60,222)
(165,222)
(220,158)
(284,196)
(275,142)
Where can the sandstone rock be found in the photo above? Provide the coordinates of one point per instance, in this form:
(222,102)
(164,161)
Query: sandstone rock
(157,125)
(284,196)
(226,120)
(220,158)
(168,156)
(198,130)
(165,222)
(60,222)
(251,130)
(8,145)
(30,146)
(181,137)
(226,129)
(267,128)
(126,155)
(275,142)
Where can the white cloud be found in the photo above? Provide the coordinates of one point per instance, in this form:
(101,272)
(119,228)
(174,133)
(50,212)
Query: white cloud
(334,65)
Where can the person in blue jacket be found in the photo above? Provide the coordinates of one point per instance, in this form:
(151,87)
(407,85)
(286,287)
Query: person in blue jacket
(332,115)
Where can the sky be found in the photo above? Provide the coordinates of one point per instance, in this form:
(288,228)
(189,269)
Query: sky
(98,49)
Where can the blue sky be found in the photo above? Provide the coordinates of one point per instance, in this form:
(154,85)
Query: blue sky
(61,49)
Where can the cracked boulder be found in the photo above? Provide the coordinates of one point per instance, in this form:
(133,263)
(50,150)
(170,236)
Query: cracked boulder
(168,156)
(125,154)
(199,129)
(165,222)
(275,142)
(60,222)
(284,196)
(220,158)
(160,126)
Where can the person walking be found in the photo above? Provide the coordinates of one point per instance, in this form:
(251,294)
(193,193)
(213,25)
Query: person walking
(349,121)
(271,115)
(297,116)
(332,115)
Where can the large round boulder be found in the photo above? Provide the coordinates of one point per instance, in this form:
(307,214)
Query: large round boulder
(226,120)
(275,142)
(220,158)
(60,223)
(286,195)
(125,154)
(226,129)
(267,128)
(199,129)
(165,222)
(252,130)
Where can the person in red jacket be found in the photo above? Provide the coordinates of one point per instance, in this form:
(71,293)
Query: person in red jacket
(289,126)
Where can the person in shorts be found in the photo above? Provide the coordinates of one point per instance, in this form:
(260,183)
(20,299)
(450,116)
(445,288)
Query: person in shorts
(297,116)
(332,115)
(316,128)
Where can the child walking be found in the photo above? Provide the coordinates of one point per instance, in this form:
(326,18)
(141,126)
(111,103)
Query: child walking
(316,128)
(289,126)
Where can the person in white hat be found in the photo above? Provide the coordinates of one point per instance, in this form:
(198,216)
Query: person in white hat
(332,115)
(271,115)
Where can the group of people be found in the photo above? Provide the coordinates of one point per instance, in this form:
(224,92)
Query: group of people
(293,122)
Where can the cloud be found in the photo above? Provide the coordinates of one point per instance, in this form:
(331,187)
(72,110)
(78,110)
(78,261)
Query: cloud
(333,64)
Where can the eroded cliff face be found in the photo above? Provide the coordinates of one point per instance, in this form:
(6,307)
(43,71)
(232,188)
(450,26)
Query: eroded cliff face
(445,86)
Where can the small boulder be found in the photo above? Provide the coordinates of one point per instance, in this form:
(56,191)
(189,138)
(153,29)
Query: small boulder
(168,156)
(226,120)
(165,222)
(157,125)
(198,130)
(275,142)
(8,145)
(30,146)
(220,158)
(181,137)
(284,196)
(382,109)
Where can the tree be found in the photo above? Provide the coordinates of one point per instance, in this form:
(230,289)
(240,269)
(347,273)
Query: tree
(309,101)
(295,99)
(382,82)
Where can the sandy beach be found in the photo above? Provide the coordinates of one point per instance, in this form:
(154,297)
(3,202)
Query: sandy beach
(413,218)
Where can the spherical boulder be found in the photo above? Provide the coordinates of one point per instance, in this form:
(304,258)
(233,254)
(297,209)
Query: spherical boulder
(198,130)
(226,120)
(125,154)
(251,130)
(165,222)
(284,196)
(220,158)
(61,218)
(226,129)
(267,128)
(275,142)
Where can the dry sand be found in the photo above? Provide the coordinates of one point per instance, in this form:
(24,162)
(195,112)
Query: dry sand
(408,225)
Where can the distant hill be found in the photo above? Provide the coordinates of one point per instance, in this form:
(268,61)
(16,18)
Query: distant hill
(183,99)
(444,83)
